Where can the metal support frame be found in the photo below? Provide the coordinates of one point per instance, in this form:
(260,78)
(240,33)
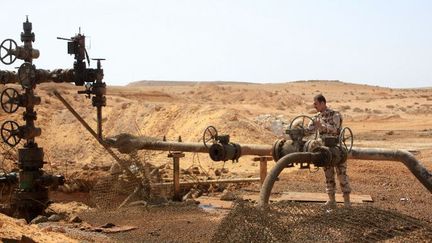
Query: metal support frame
(176,173)
(263,167)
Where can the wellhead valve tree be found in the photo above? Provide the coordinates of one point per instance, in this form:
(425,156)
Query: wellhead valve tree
(30,197)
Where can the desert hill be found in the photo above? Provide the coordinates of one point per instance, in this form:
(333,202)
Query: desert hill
(245,111)
(250,113)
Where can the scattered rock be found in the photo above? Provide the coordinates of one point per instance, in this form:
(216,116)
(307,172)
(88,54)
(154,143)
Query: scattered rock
(107,225)
(191,201)
(228,196)
(115,169)
(85,167)
(405,199)
(65,188)
(195,170)
(21,222)
(218,172)
(39,219)
(105,167)
(75,219)
(75,187)
(55,218)
(59,229)
(390,133)
(185,172)
(225,170)
(193,193)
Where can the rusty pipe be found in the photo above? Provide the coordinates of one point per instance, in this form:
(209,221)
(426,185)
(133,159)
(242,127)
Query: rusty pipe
(297,157)
(408,159)
(126,143)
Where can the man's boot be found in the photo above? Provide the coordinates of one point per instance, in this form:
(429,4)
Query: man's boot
(331,203)
(347,202)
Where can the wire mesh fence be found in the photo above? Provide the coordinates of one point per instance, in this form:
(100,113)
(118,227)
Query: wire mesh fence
(308,222)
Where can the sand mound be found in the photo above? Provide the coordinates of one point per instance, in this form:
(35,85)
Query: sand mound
(17,229)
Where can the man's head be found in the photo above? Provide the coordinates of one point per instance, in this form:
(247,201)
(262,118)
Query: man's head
(320,103)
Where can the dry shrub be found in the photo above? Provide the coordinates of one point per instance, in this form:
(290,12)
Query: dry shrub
(280,108)
(377,111)
(390,106)
(344,107)
(125,106)
(358,110)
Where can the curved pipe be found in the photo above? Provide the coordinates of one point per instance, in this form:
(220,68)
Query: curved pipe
(298,157)
(408,159)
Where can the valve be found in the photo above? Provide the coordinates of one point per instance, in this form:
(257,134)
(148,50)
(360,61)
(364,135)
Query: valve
(298,129)
(8,46)
(10,130)
(346,139)
(210,134)
(221,149)
(10,100)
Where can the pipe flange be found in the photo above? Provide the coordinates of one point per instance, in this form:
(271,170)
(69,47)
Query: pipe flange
(217,152)
(237,151)
(325,158)
(344,154)
(277,147)
(311,144)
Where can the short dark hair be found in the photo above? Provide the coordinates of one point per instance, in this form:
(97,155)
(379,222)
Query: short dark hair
(320,98)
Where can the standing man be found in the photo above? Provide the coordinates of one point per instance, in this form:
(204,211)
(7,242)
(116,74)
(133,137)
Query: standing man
(329,122)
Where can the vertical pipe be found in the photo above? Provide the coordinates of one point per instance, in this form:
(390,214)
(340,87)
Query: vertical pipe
(99,122)
(297,157)
(176,178)
(176,173)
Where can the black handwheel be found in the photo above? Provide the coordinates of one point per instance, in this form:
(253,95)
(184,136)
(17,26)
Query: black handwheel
(10,131)
(346,139)
(9,100)
(210,134)
(299,122)
(6,47)
(27,75)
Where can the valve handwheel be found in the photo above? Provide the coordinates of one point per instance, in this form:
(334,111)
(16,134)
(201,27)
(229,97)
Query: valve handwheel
(27,75)
(346,139)
(210,134)
(6,47)
(301,124)
(10,131)
(9,100)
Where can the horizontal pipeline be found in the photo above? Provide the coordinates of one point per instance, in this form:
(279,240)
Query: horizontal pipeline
(126,143)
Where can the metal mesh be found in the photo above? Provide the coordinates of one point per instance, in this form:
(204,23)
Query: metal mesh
(300,222)
(111,191)
(8,158)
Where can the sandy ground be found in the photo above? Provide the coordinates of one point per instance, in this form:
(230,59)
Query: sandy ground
(249,113)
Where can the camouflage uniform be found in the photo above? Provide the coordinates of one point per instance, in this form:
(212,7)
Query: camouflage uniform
(332,121)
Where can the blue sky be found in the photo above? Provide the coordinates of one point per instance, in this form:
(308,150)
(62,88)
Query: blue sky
(381,42)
